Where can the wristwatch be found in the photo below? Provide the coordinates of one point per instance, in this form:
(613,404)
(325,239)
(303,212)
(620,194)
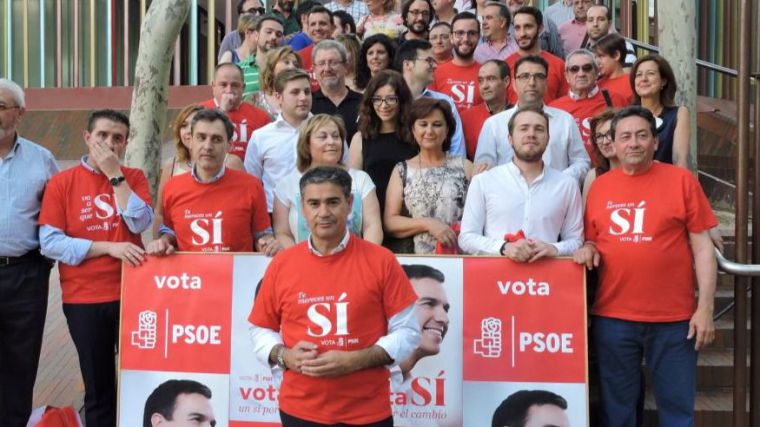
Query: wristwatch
(280,358)
(115,181)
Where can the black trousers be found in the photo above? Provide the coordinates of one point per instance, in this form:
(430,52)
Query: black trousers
(23,307)
(291,421)
(94,329)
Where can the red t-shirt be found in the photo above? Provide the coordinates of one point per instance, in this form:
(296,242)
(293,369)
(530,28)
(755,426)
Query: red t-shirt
(246,119)
(583,110)
(641,227)
(621,85)
(472,123)
(82,204)
(556,84)
(223,216)
(339,302)
(308,66)
(458,82)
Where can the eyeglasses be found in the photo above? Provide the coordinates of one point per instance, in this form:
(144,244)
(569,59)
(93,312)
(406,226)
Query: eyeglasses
(461,33)
(254,11)
(602,138)
(430,60)
(330,63)
(587,68)
(4,107)
(389,101)
(524,77)
(424,13)
(441,37)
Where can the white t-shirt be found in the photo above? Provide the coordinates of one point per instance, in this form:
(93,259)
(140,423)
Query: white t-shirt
(288,193)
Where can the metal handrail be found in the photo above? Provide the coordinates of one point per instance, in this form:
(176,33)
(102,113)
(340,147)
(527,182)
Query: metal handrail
(701,63)
(736,268)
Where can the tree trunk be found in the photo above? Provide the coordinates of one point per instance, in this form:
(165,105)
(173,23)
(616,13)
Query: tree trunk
(162,24)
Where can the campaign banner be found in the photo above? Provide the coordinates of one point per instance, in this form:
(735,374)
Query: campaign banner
(489,328)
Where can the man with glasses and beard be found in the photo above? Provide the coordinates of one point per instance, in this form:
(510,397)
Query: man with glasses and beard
(458,78)
(417,15)
(519,209)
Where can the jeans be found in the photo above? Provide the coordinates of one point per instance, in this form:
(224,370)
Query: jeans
(670,357)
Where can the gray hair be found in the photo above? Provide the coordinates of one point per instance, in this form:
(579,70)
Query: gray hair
(581,51)
(15,90)
(503,10)
(330,45)
(327,174)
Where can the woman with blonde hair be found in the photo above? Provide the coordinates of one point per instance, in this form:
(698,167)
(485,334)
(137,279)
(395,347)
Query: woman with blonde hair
(181,162)
(246,28)
(279,59)
(353,47)
(321,143)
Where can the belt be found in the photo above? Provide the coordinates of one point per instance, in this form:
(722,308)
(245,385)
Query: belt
(6,261)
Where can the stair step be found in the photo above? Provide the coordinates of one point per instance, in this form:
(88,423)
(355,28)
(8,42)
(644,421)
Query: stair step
(713,408)
(724,333)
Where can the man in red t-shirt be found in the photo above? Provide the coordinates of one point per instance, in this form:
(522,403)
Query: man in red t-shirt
(528,23)
(585,99)
(334,312)
(458,78)
(493,83)
(227,89)
(212,208)
(91,219)
(648,223)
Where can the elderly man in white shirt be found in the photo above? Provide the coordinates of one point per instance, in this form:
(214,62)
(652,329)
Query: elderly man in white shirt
(565,152)
(519,209)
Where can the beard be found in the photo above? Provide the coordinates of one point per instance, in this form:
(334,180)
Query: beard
(463,55)
(529,156)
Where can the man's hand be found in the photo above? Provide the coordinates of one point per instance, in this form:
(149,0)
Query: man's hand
(587,255)
(268,245)
(106,159)
(701,325)
(227,102)
(480,167)
(519,251)
(542,249)
(127,252)
(161,246)
(333,363)
(298,354)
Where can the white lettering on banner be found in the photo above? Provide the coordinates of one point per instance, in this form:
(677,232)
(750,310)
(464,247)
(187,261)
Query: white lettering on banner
(521,288)
(324,322)
(423,391)
(202,235)
(176,282)
(540,342)
(196,334)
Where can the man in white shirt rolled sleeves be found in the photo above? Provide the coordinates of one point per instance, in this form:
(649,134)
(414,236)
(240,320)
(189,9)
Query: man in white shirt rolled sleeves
(519,209)
(565,152)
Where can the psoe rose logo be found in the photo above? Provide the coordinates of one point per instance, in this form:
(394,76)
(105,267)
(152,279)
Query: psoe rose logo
(145,335)
(489,344)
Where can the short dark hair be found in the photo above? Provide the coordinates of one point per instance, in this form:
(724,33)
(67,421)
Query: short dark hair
(229,64)
(267,17)
(362,68)
(513,411)
(634,111)
(345,19)
(303,9)
(534,12)
(108,114)
(423,107)
(211,115)
(408,52)
(320,9)
(464,16)
(537,110)
(421,271)
(282,78)
(668,93)
(326,174)
(164,398)
(503,11)
(533,59)
(607,8)
(408,5)
(504,71)
(611,43)
(239,7)
(440,24)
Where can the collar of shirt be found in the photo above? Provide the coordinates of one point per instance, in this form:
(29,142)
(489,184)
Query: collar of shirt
(338,249)
(83,162)
(14,148)
(576,97)
(548,111)
(281,122)
(517,173)
(213,179)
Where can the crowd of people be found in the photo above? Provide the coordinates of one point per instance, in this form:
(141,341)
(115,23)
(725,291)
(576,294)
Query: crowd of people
(427,127)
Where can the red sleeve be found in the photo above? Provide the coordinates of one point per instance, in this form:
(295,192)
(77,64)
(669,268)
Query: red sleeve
(260,219)
(53,209)
(699,214)
(398,292)
(266,310)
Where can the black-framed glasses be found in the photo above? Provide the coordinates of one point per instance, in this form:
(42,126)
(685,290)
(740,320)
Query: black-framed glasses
(424,13)
(430,60)
(4,107)
(603,138)
(587,68)
(389,101)
(524,77)
(461,33)
(330,63)
(255,11)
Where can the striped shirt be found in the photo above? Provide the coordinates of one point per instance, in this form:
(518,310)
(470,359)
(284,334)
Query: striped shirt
(356,8)
(250,75)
